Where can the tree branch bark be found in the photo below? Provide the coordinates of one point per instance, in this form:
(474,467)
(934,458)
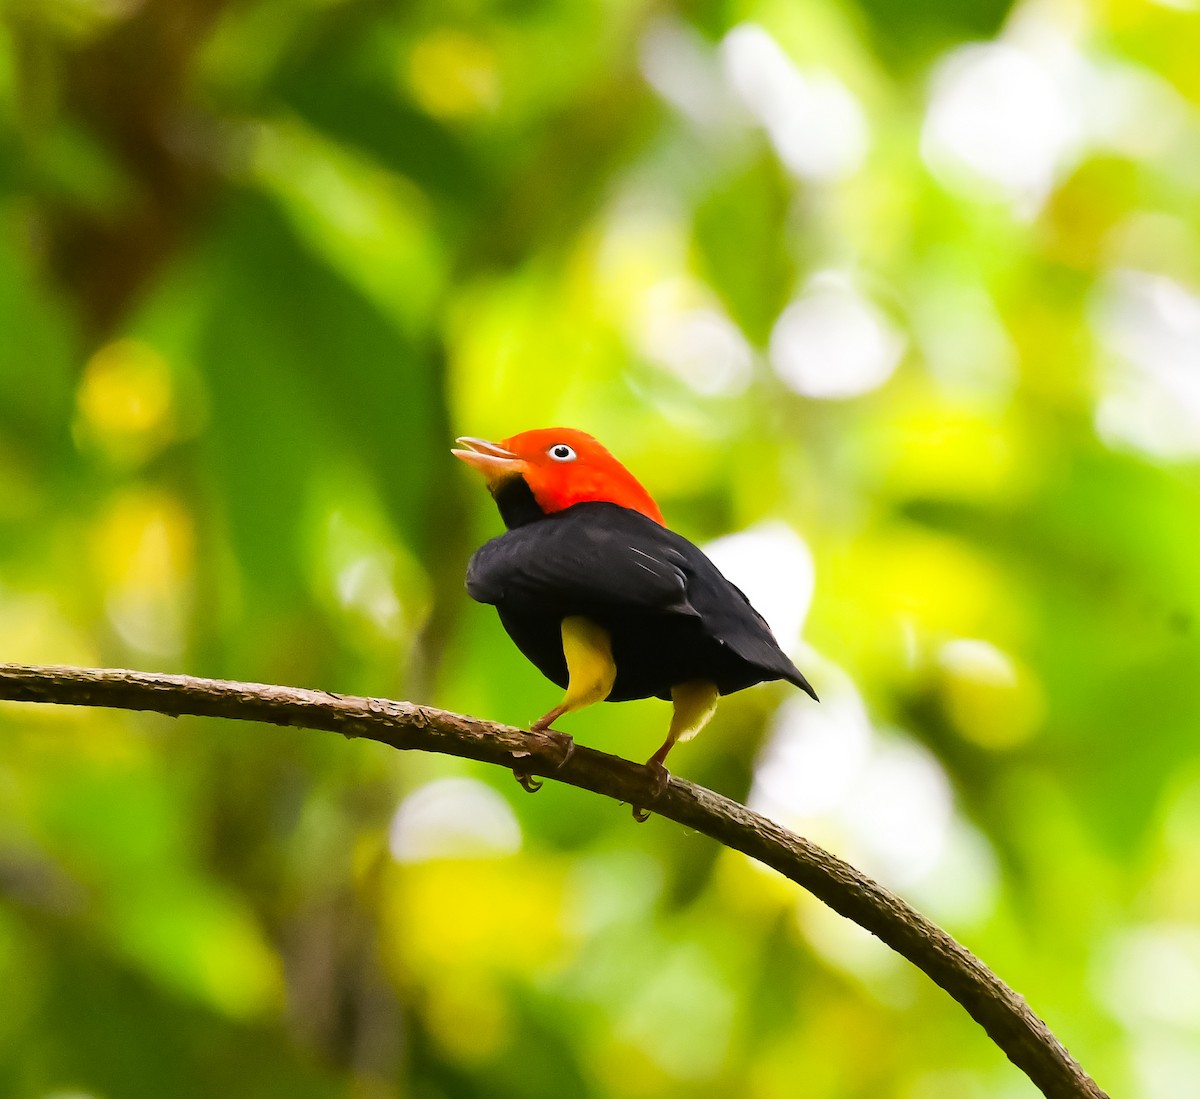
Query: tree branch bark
(1003,1013)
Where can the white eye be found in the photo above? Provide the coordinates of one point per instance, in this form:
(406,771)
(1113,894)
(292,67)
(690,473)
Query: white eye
(560,452)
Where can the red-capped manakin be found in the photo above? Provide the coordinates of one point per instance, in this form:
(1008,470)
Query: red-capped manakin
(603,598)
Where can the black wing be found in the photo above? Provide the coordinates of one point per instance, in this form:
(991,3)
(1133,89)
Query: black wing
(592,555)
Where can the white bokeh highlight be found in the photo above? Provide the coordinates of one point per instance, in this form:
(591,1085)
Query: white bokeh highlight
(833,343)
(682,331)
(813,121)
(880,800)
(1148,326)
(1009,119)
(1150,975)
(998,118)
(1132,111)
(813,757)
(684,70)
(978,660)
(453,818)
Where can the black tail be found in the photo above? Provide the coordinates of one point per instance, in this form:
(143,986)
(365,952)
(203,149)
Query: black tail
(796,676)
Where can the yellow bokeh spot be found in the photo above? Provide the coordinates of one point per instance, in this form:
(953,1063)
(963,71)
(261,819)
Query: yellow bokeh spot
(751,889)
(954,453)
(459,929)
(624,1068)
(143,549)
(468,1016)
(453,913)
(635,262)
(144,541)
(34,629)
(453,75)
(125,402)
(904,590)
(930,580)
(991,699)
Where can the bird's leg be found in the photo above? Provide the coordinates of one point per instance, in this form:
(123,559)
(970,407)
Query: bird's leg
(695,703)
(590,677)
(544,722)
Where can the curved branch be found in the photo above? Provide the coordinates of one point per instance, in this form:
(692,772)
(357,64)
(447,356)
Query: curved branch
(1023,1037)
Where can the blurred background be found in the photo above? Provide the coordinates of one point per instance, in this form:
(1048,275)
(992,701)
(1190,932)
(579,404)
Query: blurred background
(895,307)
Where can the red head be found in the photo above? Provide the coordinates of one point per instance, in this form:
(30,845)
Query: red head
(562,467)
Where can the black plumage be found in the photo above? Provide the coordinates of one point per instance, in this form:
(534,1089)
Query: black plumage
(671,614)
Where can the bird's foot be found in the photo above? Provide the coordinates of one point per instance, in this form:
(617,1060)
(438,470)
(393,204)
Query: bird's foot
(565,743)
(659,779)
(528,783)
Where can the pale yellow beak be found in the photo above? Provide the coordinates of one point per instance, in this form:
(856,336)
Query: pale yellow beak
(494,462)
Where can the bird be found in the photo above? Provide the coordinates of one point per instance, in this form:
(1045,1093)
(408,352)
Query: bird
(603,598)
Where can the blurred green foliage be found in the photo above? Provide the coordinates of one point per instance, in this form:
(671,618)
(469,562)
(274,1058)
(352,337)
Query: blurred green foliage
(906,294)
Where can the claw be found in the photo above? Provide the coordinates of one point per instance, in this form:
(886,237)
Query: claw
(565,742)
(528,783)
(659,779)
(532,785)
